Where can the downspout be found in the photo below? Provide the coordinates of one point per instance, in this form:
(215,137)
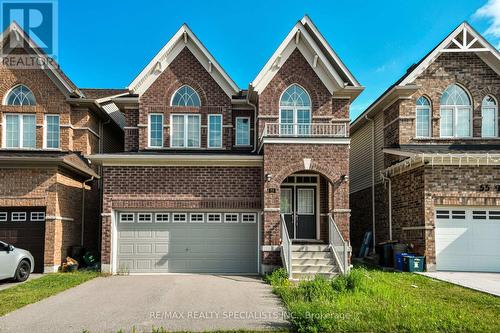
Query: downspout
(254,122)
(373,182)
(83,209)
(389,181)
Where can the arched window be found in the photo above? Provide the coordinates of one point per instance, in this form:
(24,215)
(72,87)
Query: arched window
(423,116)
(20,95)
(186,96)
(456,113)
(489,111)
(295,111)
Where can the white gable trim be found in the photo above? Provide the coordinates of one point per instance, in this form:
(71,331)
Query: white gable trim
(299,38)
(453,44)
(184,37)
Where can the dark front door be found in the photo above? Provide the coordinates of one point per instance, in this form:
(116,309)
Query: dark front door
(298,208)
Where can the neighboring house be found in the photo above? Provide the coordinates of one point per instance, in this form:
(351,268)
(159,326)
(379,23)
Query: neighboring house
(208,168)
(425,158)
(47,124)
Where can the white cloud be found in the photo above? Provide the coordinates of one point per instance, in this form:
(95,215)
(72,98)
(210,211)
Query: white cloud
(491,12)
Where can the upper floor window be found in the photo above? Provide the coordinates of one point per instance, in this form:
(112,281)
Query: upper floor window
(20,95)
(155,126)
(20,131)
(456,113)
(295,111)
(51,131)
(214,131)
(185,131)
(186,96)
(423,116)
(489,111)
(242,131)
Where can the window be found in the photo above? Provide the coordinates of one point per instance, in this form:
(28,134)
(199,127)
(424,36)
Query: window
(214,218)
(423,117)
(144,217)
(162,217)
(295,111)
(155,130)
(479,215)
(443,214)
(52,131)
(20,131)
(3,216)
(248,217)
(185,131)
(186,96)
(231,218)
(179,217)
(18,216)
(20,95)
(126,217)
(494,215)
(286,201)
(37,216)
(242,131)
(305,201)
(196,218)
(489,111)
(456,113)
(458,214)
(214,131)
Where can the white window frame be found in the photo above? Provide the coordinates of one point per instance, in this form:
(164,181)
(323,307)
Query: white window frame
(196,221)
(186,126)
(184,217)
(164,215)
(18,219)
(20,116)
(429,124)
(149,215)
(253,215)
(227,215)
(122,215)
(455,109)
(149,129)
(495,110)
(209,215)
(221,131)
(37,216)
(236,132)
(45,125)
(3,216)
(295,111)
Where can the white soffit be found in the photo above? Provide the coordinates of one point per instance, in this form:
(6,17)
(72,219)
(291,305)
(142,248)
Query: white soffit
(300,38)
(463,39)
(184,37)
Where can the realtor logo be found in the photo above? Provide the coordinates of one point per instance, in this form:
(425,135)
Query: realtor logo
(30,24)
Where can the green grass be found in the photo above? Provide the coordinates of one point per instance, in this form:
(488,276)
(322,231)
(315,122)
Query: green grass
(376,301)
(35,290)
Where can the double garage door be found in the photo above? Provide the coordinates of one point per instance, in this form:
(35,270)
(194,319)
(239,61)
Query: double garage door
(468,239)
(187,242)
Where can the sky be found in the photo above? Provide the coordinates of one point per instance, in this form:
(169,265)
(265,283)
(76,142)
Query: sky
(105,44)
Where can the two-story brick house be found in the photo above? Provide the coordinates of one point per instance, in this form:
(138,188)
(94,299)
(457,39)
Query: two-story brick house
(425,158)
(47,187)
(218,179)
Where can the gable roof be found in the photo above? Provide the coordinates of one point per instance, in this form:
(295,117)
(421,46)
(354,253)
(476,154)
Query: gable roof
(318,53)
(184,37)
(51,68)
(463,38)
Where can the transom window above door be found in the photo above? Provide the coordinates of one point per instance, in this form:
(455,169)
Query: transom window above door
(456,113)
(186,96)
(295,111)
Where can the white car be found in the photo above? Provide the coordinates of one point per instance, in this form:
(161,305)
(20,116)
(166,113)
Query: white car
(15,263)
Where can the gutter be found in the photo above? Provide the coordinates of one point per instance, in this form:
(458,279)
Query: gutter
(373,181)
(254,122)
(388,179)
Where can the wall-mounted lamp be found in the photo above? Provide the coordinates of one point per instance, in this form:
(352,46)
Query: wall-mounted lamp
(268,176)
(344,178)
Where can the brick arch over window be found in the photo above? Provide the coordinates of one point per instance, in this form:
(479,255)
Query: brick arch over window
(293,168)
(296,79)
(174,86)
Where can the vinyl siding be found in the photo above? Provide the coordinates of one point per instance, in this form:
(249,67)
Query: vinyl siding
(360,159)
(379,145)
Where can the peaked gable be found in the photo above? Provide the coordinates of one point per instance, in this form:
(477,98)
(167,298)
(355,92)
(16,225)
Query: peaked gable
(183,38)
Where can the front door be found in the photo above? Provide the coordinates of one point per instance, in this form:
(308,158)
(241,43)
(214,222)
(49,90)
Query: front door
(298,206)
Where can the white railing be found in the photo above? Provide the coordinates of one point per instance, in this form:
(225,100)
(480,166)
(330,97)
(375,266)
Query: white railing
(286,247)
(338,246)
(323,130)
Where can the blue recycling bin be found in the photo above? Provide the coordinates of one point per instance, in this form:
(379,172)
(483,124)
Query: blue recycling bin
(399,264)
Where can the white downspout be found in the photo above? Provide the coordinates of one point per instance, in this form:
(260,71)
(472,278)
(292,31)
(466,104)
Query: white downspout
(389,181)
(373,182)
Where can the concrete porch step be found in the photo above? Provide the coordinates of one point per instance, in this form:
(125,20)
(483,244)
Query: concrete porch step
(313,269)
(313,261)
(310,276)
(310,248)
(312,255)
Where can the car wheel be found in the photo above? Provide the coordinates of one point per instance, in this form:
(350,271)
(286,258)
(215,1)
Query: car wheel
(22,271)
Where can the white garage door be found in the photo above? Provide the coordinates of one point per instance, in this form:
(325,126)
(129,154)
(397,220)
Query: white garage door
(468,239)
(196,242)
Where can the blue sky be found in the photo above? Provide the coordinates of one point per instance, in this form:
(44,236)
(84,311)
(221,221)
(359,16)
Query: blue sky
(105,44)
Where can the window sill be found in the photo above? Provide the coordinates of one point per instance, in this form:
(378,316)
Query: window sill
(242,146)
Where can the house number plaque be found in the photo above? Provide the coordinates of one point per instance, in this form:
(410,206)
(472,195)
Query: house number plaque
(488,188)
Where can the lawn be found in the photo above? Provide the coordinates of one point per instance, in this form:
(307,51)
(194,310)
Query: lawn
(376,301)
(35,290)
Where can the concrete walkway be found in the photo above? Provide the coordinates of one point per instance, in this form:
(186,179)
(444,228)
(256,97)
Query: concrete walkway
(485,282)
(174,302)
(4,284)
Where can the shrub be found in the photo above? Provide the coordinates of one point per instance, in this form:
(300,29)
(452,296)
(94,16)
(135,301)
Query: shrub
(318,288)
(353,282)
(278,277)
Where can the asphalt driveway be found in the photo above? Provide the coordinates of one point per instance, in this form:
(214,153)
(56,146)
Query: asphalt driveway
(485,282)
(174,302)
